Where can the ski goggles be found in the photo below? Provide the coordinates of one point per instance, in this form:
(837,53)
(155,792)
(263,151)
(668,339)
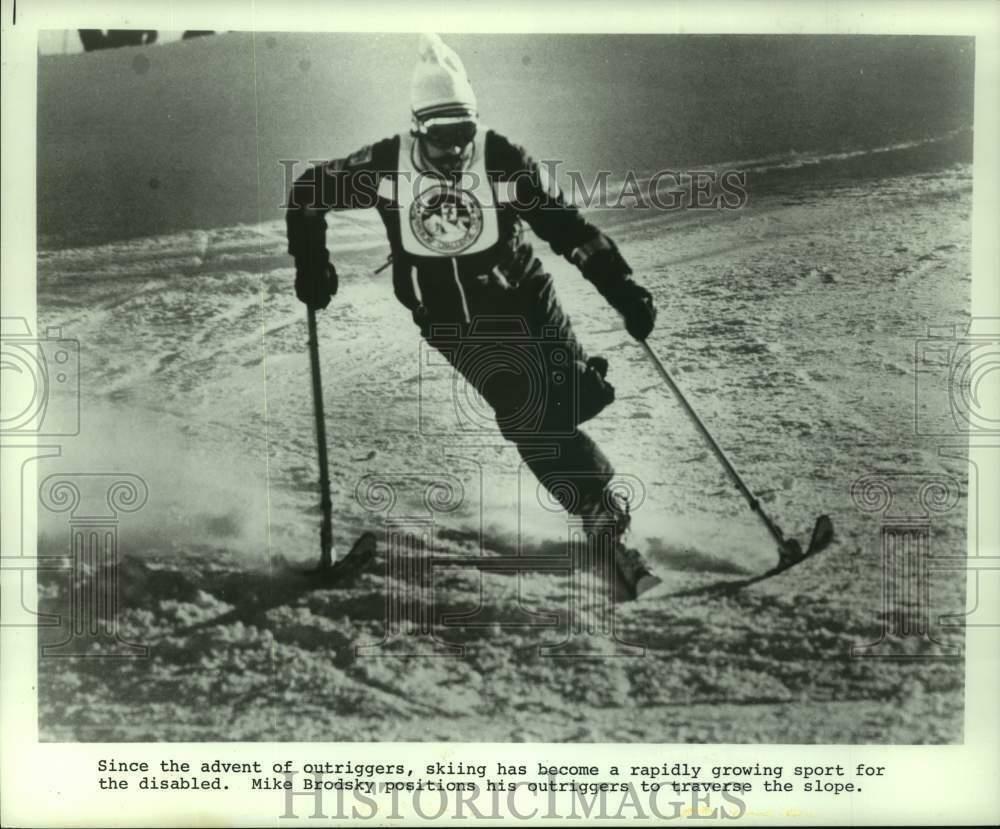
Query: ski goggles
(445,134)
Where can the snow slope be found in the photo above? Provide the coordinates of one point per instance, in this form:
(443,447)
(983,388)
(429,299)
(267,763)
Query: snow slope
(790,323)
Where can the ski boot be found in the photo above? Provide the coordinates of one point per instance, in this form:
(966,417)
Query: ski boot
(608,525)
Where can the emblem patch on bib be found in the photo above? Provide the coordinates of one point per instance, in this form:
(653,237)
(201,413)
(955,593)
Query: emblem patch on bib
(445,219)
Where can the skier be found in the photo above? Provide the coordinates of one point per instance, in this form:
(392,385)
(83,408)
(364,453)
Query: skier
(452,195)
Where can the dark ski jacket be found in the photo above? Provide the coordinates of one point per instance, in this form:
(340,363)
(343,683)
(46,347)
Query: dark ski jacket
(433,285)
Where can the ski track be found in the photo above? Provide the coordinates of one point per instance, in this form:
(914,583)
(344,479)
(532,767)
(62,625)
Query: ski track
(791,325)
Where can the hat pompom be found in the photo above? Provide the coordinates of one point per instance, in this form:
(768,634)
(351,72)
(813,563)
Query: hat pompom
(440,84)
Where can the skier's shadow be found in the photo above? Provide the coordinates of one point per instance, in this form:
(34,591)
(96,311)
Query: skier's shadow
(136,582)
(254,594)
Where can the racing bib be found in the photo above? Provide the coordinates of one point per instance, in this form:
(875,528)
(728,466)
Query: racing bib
(439,217)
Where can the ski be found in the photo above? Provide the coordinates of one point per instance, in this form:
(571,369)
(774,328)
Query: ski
(361,554)
(822,537)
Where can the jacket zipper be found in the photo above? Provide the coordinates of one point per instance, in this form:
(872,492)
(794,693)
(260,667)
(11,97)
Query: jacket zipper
(461,291)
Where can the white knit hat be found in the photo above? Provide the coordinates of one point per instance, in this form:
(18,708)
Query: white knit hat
(440,86)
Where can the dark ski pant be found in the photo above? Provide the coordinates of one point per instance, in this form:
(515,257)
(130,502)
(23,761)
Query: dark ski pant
(518,350)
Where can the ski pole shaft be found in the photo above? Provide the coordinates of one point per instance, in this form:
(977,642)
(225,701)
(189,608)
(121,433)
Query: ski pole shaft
(326,505)
(734,476)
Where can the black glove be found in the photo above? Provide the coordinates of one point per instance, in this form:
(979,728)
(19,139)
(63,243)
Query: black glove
(316,287)
(635,304)
(610,273)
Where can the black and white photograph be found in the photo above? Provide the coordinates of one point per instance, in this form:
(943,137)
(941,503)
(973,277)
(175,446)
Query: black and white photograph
(474,387)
